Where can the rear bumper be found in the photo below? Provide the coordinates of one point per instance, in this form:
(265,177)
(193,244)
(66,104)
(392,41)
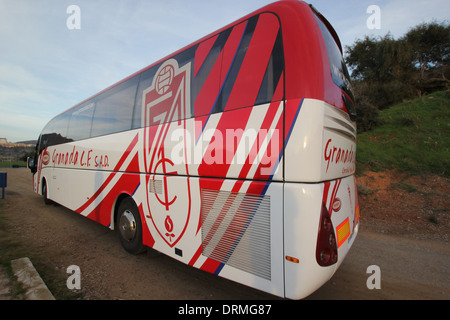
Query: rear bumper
(303,203)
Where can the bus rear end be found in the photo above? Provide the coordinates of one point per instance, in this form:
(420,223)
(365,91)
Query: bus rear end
(321,210)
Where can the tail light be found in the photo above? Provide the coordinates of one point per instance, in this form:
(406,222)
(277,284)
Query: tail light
(326,250)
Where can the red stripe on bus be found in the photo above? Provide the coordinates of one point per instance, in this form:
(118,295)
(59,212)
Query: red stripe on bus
(195,256)
(325,191)
(202,52)
(127,184)
(210,265)
(111,176)
(208,94)
(333,195)
(229,120)
(273,108)
(261,137)
(270,160)
(251,74)
(231,48)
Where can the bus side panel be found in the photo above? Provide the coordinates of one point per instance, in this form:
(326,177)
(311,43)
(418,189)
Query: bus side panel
(88,176)
(229,228)
(302,204)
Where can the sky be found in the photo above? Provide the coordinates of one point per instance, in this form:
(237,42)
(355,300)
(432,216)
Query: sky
(52,57)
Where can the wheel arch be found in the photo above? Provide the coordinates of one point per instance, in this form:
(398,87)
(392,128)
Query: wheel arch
(115,208)
(43,183)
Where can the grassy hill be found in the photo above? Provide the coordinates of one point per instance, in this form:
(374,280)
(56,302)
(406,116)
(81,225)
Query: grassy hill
(414,137)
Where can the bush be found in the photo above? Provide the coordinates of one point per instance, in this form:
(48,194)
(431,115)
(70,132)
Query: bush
(367,115)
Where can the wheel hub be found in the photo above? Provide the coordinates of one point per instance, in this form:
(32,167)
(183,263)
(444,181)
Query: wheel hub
(127,225)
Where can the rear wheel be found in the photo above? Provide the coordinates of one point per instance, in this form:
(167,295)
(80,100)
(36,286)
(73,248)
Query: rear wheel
(130,227)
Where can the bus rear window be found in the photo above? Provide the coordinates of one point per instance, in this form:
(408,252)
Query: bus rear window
(339,72)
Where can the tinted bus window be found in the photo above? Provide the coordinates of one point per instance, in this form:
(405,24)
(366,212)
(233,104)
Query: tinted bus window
(257,64)
(207,74)
(240,67)
(56,131)
(114,109)
(339,71)
(274,73)
(146,81)
(80,122)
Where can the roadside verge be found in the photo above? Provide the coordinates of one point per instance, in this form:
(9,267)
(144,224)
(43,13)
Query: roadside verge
(32,283)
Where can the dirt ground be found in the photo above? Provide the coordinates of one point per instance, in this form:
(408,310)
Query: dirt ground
(405,230)
(416,207)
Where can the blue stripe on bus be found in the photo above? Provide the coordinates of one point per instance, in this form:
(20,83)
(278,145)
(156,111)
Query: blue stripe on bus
(219,268)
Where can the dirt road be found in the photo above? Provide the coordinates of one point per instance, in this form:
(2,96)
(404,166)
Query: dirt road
(57,238)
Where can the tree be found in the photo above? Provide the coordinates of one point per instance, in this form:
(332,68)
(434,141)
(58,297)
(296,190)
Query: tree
(430,44)
(382,68)
(388,71)
(430,47)
(382,59)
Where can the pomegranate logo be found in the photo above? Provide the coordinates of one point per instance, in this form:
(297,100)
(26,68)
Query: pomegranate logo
(337,204)
(166,105)
(45,157)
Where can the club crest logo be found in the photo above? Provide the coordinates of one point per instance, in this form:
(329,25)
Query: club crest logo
(45,157)
(166,106)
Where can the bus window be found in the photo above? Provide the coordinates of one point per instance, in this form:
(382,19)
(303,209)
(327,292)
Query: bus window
(274,73)
(56,131)
(257,65)
(206,84)
(114,109)
(241,34)
(339,72)
(80,122)
(242,68)
(146,81)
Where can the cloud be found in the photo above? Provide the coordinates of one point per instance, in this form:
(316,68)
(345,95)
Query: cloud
(20,127)
(397,17)
(400,15)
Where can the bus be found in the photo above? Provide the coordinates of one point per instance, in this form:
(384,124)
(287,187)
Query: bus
(234,155)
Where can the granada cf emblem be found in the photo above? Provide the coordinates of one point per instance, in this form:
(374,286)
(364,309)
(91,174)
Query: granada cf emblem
(45,157)
(166,105)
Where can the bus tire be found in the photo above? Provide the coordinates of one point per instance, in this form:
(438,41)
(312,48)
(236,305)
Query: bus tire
(45,193)
(130,227)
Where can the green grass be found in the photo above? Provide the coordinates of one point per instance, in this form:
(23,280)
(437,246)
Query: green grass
(414,137)
(7,164)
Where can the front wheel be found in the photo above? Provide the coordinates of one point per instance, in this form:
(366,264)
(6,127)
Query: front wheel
(130,227)
(45,193)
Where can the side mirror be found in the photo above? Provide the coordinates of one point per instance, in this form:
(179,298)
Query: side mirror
(31,165)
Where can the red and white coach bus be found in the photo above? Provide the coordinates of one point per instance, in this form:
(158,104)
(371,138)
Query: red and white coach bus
(234,155)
